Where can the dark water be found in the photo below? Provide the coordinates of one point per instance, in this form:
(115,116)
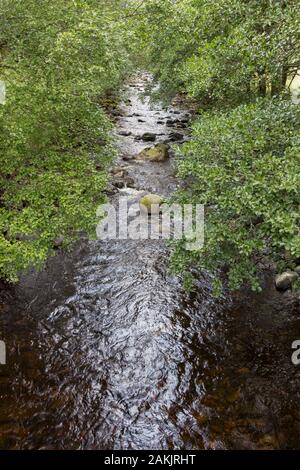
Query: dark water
(106,351)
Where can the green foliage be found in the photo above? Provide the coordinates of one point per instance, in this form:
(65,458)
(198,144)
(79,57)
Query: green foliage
(234,57)
(244,165)
(59,59)
(222,52)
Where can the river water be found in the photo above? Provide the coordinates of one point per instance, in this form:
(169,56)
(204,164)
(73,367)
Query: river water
(106,351)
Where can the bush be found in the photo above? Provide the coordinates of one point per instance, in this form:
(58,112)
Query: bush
(244,165)
(59,59)
(233,57)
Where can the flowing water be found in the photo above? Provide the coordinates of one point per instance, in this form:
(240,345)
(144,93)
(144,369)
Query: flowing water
(106,351)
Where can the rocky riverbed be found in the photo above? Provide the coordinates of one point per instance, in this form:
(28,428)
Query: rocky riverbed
(106,351)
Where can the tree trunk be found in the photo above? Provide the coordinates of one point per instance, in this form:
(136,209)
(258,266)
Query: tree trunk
(262,85)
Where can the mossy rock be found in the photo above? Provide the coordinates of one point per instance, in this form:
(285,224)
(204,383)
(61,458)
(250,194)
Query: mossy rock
(159,153)
(148,201)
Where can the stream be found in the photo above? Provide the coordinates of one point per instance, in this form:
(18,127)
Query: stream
(105,350)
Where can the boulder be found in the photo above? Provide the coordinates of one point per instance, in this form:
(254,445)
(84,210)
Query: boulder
(132,192)
(297,270)
(127,158)
(110,190)
(182,125)
(119,172)
(174,136)
(129,182)
(148,137)
(125,133)
(59,241)
(285,280)
(158,153)
(147,202)
(123,182)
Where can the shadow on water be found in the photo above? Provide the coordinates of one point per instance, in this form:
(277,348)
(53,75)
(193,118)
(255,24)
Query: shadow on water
(106,350)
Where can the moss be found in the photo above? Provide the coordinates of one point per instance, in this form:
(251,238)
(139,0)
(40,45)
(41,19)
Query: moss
(150,199)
